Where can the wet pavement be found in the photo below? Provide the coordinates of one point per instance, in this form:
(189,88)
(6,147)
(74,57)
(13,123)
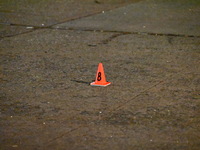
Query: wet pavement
(49,58)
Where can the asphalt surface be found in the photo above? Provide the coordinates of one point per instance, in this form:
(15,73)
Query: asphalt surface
(50,51)
(158,17)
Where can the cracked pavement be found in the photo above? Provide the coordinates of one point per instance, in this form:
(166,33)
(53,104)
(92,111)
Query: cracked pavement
(49,55)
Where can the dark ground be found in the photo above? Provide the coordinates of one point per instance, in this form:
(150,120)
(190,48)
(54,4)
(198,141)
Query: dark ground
(47,103)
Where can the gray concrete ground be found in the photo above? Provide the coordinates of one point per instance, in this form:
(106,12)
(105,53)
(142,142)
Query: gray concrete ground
(179,18)
(49,54)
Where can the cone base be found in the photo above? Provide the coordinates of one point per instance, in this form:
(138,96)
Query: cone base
(96,84)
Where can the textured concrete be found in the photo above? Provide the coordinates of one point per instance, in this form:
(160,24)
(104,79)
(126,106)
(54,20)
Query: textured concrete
(161,17)
(45,13)
(46,102)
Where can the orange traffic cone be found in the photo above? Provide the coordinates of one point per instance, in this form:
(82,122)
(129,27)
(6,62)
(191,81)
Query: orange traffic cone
(100,77)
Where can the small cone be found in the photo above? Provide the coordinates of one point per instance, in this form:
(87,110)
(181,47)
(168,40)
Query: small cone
(100,77)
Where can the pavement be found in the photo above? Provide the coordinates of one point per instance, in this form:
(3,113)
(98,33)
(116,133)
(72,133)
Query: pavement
(50,51)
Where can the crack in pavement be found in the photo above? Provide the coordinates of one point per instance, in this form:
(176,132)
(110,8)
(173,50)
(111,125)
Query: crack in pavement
(49,26)
(114,109)
(109,112)
(119,33)
(106,41)
(92,30)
